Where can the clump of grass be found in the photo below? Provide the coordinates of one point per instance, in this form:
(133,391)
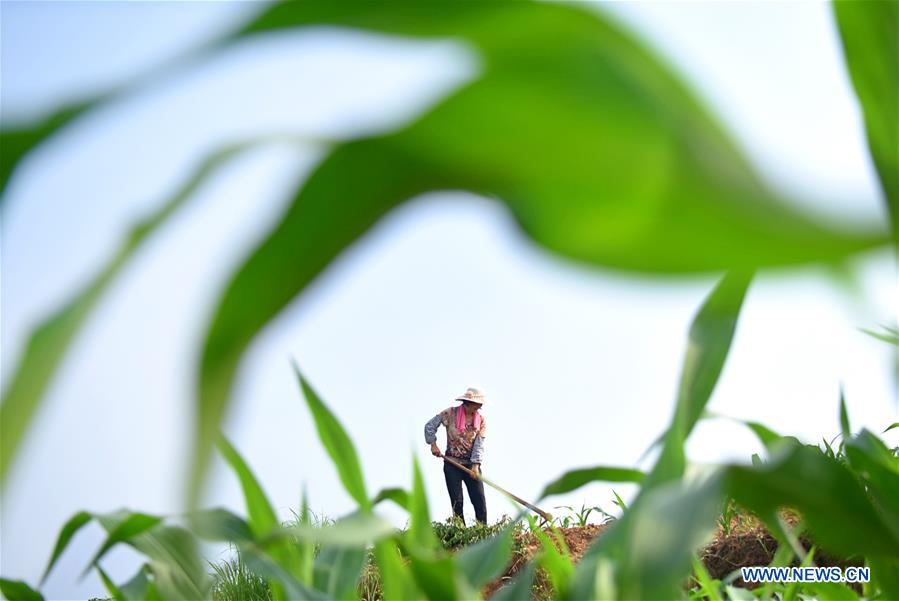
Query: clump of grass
(233,581)
(454,534)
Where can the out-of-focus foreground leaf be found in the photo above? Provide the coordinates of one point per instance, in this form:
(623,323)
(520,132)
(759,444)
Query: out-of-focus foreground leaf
(49,342)
(870,35)
(599,151)
(637,564)
(17,590)
(574,479)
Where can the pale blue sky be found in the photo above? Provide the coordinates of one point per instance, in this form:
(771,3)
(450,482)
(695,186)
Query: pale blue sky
(580,366)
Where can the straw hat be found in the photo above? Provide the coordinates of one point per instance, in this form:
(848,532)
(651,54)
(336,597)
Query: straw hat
(473,394)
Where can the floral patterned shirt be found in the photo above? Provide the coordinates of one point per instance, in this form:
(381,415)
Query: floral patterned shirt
(467,446)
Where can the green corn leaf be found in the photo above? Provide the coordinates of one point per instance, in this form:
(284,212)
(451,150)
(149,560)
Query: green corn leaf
(18,141)
(17,590)
(338,444)
(871,44)
(133,525)
(221,525)
(49,342)
(436,576)
(139,587)
(648,551)
(557,563)
(174,559)
(71,527)
(870,458)
(831,591)
(305,546)
(885,573)
(265,567)
(420,534)
(110,586)
(485,560)
(355,530)
(521,584)
(397,495)
(825,492)
(710,338)
(708,587)
(845,430)
(262,517)
(397,581)
(574,479)
(892,426)
(337,570)
(617,165)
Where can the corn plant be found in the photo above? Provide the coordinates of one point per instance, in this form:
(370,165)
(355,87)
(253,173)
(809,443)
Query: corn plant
(579,517)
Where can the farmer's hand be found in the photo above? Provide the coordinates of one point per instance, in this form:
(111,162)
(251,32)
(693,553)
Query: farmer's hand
(435,450)
(476,468)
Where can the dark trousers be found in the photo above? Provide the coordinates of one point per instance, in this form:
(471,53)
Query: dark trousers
(454,479)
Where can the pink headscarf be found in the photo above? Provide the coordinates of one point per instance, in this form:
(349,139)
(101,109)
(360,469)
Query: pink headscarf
(460,419)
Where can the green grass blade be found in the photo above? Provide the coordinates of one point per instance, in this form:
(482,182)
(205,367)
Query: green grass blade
(338,444)
(871,45)
(178,570)
(71,527)
(49,342)
(17,590)
(485,560)
(574,479)
(845,430)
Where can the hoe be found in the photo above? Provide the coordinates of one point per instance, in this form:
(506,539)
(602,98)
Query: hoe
(547,517)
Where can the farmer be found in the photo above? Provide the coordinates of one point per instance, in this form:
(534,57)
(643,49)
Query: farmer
(465,432)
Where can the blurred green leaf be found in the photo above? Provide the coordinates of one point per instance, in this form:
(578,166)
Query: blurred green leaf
(338,444)
(397,495)
(651,546)
(710,337)
(174,558)
(305,546)
(265,567)
(16,590)
(892,426)
(130,527)
(355,530)
(485,560)
(18,140)
(520,586)
(845,430)
(139,587)
(574,479)
(71,527)
(600,152)
(219,524)
(49,342)
(396,580)
(708,587)
(831,591)
(262,517)
(887,334)
(824,491)
(337,569)
(420,534)
(870,458)
(556,562)
(885,572)
(110,586)
(870,39)
(436,575)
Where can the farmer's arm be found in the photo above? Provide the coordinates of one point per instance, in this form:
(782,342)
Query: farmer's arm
(477,447)
(431,433)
